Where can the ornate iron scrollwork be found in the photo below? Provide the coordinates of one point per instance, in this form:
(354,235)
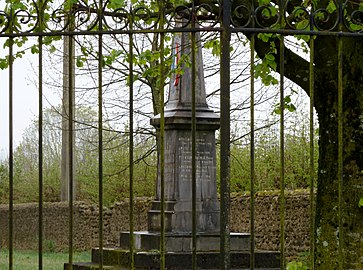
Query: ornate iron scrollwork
(85,16)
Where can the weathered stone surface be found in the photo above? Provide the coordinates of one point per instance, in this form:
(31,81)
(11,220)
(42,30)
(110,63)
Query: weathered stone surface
(182,260)
(178,151)
(182,242)
(178,184)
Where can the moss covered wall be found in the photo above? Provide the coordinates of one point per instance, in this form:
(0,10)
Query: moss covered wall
(116,219)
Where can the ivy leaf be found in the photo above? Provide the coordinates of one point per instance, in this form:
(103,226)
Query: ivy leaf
(331,7)
(360,203)
(265,37)
(3,63)
(52,49)
(264,2)
(80,61)
(214,45)
(69,4)
(287,105)
(355,27)
(115,4)
(34,49)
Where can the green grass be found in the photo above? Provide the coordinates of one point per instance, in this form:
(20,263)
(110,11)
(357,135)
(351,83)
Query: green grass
(28,260)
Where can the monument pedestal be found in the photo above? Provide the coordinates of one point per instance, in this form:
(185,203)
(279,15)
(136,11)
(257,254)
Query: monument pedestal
(178,173)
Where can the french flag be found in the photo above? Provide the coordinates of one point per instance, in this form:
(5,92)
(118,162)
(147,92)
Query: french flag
(175,63)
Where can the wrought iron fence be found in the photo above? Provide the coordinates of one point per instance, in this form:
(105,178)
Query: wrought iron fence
(261,22)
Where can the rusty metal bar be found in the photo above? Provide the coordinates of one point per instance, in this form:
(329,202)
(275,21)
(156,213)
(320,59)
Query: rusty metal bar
(100,136)
(252,152)
(162,138)
(70,146)
(225,137)
(194,152)
(40,150)
(11,152)
(131,146)
(312,167)
(282,147)
(340,137)
(252,145)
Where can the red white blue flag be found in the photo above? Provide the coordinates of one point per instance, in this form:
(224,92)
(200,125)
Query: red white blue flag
(176,53)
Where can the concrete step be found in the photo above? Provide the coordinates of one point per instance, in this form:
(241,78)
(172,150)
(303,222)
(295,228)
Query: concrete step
(89,266)
(183,260)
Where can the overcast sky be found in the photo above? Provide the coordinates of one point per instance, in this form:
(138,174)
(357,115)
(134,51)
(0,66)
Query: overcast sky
(25,96)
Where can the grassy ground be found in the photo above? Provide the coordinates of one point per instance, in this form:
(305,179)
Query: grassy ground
(28,260)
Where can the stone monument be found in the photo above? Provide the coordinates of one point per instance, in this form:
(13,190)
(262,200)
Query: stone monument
(178,164)
(178,149)
(178,186)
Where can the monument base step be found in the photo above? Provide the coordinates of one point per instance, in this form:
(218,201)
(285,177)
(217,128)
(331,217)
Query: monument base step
(182,242)
(183,260)
(119,259)
(94,266)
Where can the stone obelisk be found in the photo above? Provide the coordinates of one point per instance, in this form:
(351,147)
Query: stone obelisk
(178,148)
(178,165)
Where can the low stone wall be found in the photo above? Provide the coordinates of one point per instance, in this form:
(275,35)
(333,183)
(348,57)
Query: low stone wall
(267,221)
(116,219)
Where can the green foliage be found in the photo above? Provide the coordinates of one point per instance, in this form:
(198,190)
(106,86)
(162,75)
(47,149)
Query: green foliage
(288,105)
(115,4)
(296,266)
(264,2)
(214,45)
(69,4)
(49,245)
(267,165)
(115,162)
(360,203)
(301,263)
(264,69)
(332,7)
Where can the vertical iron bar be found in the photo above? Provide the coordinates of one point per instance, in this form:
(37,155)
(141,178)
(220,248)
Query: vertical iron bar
(225,136)
(70,146)
(312,168)
(162,139)
(282,154)
(340,149)
(131,143)
(194,129)
(40,147)
(252,153)
(100,136)
(340,135)
(11,149)
(252,147)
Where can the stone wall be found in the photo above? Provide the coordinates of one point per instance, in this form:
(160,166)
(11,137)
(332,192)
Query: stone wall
(267,221)
(116,219)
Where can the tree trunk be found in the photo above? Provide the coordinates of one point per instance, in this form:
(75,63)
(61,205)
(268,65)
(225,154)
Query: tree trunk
(326,104)
(65,163)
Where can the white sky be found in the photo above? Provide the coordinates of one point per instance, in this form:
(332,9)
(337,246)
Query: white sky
(25,99)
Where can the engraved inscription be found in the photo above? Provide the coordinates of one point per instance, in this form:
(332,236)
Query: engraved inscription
(204,159)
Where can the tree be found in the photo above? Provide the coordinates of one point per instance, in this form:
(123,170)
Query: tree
(326,82)
(298,14)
